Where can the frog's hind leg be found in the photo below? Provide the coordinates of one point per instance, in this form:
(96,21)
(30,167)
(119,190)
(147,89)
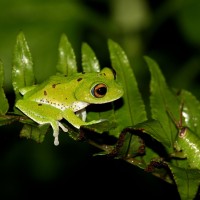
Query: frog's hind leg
(42,114)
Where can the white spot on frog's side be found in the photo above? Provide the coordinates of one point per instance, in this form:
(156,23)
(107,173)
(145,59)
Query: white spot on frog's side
(76,106)
(54,104)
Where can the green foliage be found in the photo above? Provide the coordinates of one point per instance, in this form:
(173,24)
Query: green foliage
(90,62)
(3,100)
(36,133)
(162,100)
(187,180)
(66,57)
(146,143)
(133,109)
(22,71)
(165,103)
(191,111)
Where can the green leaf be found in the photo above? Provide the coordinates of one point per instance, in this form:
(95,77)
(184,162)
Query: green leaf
(100,127)
(129,144)
(36,133)
(90,62)
(66,57)
(139,149)
(22,70)
(191,111)
(133,110)
(154,129)
(187,181)
(163,102)
(3,100)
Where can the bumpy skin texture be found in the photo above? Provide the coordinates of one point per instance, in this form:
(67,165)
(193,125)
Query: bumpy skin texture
(189,143)
(67,97)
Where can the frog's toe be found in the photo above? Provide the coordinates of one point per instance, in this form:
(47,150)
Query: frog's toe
(56,141)
(62,127)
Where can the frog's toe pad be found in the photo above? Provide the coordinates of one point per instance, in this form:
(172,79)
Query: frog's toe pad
(56,142)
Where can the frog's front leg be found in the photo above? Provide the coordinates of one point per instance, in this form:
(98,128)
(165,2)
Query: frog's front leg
(82,114)
(75,120)
(43,114)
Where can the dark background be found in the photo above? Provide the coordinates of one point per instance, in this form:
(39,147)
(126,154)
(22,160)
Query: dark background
(167,31)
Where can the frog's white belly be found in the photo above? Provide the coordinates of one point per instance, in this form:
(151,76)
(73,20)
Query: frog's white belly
(78,105)
(75,106)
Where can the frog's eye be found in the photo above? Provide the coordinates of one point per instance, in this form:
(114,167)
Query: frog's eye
(99,90)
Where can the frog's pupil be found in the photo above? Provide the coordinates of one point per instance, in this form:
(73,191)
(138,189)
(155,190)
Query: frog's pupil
(101,90)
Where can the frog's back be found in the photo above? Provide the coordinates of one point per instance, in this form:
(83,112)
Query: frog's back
(57,83)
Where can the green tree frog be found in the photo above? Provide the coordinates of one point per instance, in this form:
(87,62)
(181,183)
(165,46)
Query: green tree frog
(67,97)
